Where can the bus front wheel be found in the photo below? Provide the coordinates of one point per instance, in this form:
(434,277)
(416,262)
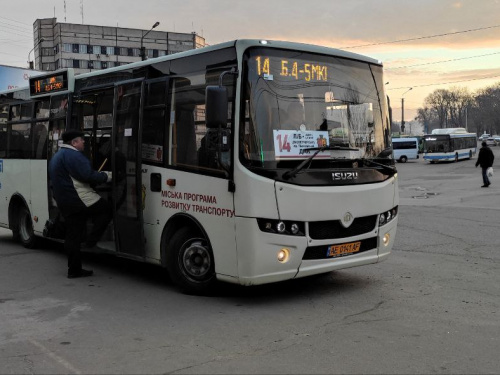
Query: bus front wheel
(25,232)
(403,159)
(190,262)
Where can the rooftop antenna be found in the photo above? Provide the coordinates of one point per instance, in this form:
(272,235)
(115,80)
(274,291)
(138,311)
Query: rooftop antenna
(81,9)
(64,11)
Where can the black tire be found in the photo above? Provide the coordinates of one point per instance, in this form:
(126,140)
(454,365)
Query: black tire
(25,231)
(403,159)
(190,262)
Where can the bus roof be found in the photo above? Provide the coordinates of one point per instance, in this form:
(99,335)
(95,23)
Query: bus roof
(450,131)
(240,44)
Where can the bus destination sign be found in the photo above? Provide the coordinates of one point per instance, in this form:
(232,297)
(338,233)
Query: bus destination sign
(49,84)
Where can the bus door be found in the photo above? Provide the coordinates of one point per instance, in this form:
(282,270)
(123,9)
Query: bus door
(126,168)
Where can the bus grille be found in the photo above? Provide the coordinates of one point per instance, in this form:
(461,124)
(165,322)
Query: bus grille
(320,252)
(323,230)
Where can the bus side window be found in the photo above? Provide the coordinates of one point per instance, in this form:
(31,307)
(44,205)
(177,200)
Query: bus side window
(40,133)
(19,145)
(186,137)
(3,141)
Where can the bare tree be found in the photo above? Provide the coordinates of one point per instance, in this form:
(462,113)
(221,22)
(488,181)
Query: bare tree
(457,107)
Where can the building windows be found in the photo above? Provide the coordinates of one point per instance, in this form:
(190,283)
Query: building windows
(104,65)
(103,50)
(76,63)
(110,50)
(49,66)
(76,48)
(67,47)
(47,51)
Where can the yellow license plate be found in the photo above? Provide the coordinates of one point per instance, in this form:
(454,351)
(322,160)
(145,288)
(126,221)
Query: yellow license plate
(343,249)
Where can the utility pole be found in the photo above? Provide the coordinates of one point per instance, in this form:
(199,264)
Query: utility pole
(403,110)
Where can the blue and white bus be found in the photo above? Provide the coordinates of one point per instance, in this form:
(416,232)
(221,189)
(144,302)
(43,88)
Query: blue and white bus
(451,144)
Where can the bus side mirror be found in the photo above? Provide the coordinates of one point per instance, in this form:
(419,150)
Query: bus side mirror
(216,106)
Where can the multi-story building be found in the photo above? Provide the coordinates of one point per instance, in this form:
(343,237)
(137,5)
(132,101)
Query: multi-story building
(88,47)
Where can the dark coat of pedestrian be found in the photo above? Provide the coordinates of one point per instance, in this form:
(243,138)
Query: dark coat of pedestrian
(71,175)
(485,160)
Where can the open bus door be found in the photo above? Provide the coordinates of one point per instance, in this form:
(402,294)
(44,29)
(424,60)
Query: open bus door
(126,167)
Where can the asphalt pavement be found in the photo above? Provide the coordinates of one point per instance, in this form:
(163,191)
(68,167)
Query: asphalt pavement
(432,307)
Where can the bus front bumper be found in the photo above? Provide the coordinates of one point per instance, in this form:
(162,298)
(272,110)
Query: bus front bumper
(259,252)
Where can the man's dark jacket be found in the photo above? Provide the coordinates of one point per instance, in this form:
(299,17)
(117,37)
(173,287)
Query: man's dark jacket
(71,175)
(485,158)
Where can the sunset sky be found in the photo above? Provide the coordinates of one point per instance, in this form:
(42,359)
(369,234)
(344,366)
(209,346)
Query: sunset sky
(414,39)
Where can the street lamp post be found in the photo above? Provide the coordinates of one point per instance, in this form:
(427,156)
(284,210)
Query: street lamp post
(30,63)
(403,110)
(143,49)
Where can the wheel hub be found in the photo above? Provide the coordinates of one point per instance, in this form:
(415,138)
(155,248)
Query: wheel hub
(196,260)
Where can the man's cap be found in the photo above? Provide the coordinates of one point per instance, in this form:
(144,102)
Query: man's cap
(69,135)
(484,144)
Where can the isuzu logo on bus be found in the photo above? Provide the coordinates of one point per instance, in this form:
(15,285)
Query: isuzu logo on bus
(344,176)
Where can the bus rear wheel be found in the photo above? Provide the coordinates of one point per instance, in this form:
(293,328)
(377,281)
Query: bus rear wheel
(190,262)
(25,232)
(403,159)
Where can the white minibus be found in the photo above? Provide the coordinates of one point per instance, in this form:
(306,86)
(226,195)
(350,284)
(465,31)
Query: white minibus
(405,148)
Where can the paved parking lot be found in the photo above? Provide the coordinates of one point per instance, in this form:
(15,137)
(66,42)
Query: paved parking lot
(433,307)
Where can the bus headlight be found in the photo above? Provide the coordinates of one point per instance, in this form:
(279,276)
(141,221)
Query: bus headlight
(291,228)
(280,227)
(387,216)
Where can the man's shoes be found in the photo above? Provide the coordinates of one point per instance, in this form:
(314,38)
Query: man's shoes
(485,185)
(79,273)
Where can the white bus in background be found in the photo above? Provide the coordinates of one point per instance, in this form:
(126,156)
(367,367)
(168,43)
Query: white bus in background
(405,149)
(449,144)
(211,177)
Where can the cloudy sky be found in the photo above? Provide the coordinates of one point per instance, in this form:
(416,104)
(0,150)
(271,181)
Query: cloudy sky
(424,44)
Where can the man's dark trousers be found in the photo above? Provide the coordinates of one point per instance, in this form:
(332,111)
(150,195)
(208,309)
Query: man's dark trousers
(76,225)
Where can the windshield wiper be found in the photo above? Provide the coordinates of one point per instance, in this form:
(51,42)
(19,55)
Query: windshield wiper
(370,161)
(290,174)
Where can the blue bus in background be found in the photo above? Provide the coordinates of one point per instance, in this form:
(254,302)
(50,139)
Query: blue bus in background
(451,144)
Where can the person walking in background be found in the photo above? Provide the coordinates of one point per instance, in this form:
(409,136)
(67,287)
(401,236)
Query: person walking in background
(71,175)
(485,160)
